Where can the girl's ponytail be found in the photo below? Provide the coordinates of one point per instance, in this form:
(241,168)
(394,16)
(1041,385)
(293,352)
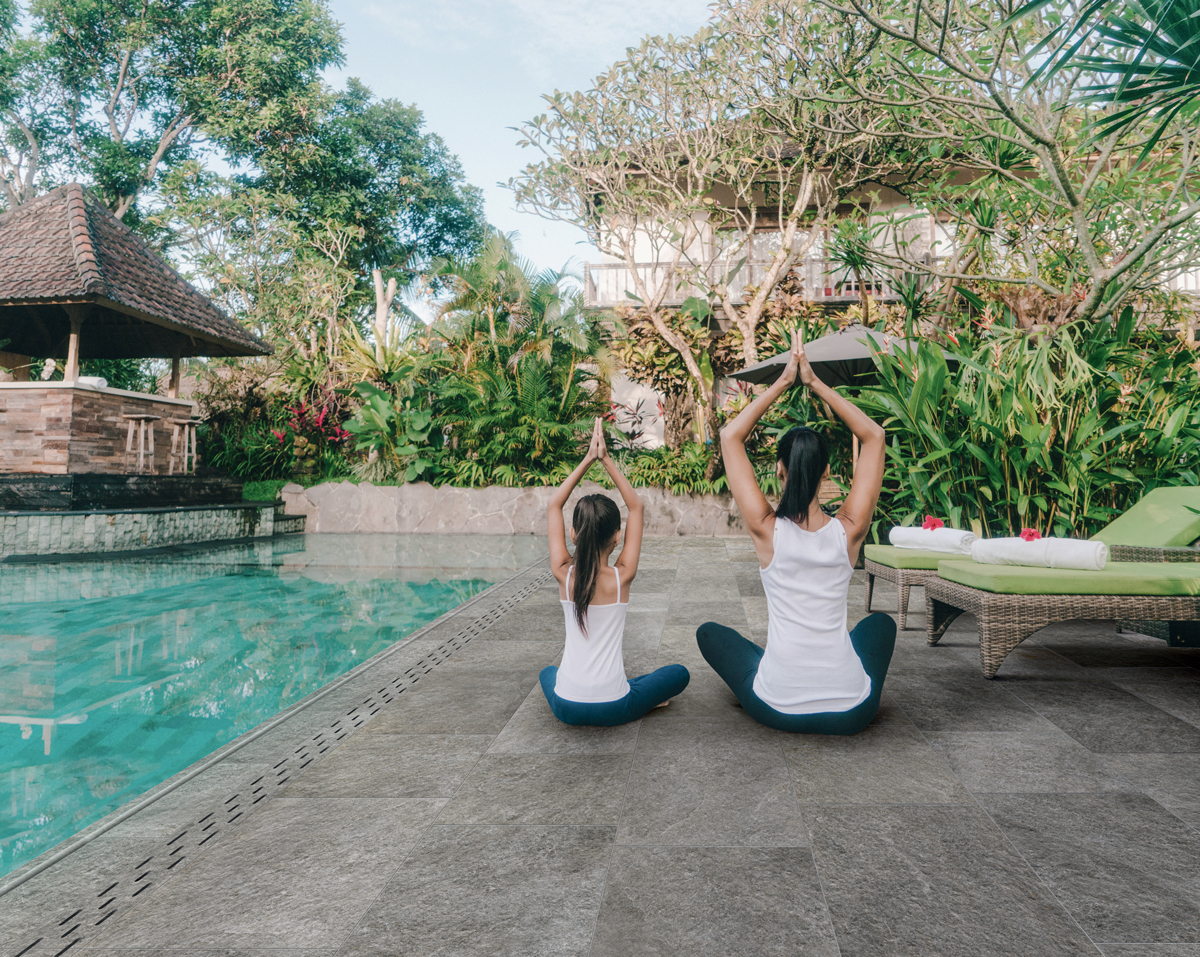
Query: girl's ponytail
(805,455)
(596,520)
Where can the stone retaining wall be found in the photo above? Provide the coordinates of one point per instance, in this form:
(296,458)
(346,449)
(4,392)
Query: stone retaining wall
(77,533)
(421,508)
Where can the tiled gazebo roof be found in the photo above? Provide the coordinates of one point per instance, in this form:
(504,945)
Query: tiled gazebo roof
(67,249)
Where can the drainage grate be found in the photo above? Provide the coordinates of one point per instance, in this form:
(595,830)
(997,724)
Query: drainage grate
(59,936)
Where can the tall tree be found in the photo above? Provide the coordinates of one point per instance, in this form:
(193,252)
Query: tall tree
(690,148)
(369,163)
(1065,224)
(137,85)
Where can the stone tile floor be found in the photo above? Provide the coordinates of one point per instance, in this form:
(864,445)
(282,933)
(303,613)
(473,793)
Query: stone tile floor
(1053,811)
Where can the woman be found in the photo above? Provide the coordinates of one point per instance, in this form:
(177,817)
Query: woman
(590,687)
(813,676)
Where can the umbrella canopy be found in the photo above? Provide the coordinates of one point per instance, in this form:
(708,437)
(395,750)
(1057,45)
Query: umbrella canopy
(841,358)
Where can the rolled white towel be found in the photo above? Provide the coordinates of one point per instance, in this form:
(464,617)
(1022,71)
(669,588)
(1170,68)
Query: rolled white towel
(1042,552)
(951,540)
(98,381)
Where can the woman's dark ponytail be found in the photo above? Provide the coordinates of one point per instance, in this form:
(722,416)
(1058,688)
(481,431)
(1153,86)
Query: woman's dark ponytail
(805,455)
(596,520)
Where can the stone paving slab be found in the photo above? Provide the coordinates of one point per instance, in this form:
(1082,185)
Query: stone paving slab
(434,806)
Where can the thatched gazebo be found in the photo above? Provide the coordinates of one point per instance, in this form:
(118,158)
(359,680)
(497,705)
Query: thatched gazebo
(75,284)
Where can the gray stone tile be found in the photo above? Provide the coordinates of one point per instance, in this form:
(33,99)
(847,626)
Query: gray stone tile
(462,704)
(1150,950)
(1125,868)
(705,696)
(917,881)
(716,796)
(300,874)
(953,699)
(541,789)
(1173,780)
(879,765)
(1030,762)
(749,581)
(643,630)
(392,765)
(689,613)
(713,902)
(650,581)
(35,908)
(649,601)
(663,733)
(1106,719)
(188,952)
(535,730)
(1030,661)
(1169,691)
(528,623)
(490,890)
(704,593)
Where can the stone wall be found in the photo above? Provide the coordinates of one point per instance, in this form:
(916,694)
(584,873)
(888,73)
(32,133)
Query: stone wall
(58,428)
(77,533)
(421,508)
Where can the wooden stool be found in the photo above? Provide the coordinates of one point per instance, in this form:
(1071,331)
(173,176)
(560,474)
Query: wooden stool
(183,446)
(141,423)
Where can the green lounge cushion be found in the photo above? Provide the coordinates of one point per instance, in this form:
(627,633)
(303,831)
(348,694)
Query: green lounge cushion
(1159,520)
(895,557)
(1117,578)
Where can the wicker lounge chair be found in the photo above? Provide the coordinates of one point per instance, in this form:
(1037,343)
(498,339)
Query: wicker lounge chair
(1011,602)
(1159,528)
(904,567)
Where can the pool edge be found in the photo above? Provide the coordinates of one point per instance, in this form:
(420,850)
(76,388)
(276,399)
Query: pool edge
(119,815)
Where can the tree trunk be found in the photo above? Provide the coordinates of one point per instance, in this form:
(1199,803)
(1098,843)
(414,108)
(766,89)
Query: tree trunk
(677,419)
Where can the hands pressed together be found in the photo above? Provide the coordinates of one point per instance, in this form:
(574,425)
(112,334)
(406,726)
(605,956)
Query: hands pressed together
(798,363)
(597,448)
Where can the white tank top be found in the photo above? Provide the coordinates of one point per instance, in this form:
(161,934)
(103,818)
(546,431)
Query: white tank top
(809,667)
(592,667)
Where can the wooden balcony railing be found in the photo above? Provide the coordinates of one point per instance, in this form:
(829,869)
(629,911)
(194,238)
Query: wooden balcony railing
(610,284)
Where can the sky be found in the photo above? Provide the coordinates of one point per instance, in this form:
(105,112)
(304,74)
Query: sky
(479,67)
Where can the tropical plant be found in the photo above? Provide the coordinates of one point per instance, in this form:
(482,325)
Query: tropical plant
(398,437)
(1059,433)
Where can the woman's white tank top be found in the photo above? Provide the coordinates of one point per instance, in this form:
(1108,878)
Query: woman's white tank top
(593,668)
(809,667)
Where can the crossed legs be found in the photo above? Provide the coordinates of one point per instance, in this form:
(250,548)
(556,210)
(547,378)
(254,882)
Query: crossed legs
(736,660)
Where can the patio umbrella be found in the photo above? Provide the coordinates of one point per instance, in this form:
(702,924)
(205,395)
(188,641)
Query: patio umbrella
(841,358)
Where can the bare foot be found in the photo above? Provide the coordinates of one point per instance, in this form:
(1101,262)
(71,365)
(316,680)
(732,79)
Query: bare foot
(664,704)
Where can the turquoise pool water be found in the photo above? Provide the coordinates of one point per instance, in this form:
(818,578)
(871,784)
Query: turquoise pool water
(116,675)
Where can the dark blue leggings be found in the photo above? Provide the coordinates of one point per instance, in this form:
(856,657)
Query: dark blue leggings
(645,693)
(736,660)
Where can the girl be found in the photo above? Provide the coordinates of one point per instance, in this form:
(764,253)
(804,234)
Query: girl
(813,676)
(590,686)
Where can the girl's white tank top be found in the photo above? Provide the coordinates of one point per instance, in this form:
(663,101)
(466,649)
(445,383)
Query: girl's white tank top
(593,668)
(810,666)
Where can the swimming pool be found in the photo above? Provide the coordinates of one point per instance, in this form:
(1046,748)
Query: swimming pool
(116,675)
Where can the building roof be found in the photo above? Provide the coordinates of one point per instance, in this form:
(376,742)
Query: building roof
(67,249)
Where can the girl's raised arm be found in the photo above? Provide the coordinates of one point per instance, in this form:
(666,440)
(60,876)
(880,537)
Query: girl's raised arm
(631,551)
(560,558)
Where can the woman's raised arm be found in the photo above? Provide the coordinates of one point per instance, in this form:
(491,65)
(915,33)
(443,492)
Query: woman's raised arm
(756,511)
(859,506)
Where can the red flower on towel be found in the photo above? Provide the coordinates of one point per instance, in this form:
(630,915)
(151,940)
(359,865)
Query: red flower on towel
(931,523)
(1030,534)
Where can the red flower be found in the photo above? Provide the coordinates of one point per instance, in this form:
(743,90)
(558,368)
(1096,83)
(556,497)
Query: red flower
(279,435)
(1030,534)
(931,523)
